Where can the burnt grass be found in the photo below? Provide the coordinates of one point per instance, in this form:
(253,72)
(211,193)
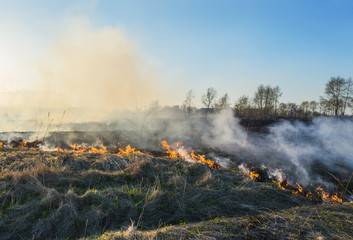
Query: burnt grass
(53,195)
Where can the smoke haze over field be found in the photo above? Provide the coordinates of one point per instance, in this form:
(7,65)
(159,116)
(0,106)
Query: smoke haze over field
(302,151)
(93,71)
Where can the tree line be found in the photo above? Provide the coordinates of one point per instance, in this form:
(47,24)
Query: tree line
(265,103)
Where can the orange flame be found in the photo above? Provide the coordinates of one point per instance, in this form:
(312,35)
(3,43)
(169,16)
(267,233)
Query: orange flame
(202,159)
(251,174)
(326,196)
(1,143)
(22,144)
(300,189)
(83,149)
(178,150)
(309,196)
(59,149)
(335,198)
(128,150)
(279,184)
(172,153)
(78,149)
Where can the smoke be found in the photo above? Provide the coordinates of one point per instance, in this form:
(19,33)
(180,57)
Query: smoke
(306,153)
(225,132)
(96,68)
(90,72)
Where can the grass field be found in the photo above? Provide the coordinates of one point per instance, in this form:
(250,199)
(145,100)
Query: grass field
(66,195)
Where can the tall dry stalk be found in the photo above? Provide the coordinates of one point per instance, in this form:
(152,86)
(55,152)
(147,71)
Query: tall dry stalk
(40,127)
(49,123)
(345,190)
(61,122)
(62,119)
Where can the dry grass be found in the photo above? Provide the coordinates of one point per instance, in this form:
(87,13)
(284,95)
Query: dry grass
(50,195)
(319,222)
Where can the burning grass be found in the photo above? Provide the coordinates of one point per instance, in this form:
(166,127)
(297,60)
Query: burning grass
(84,191)
(178,150)
(318,195)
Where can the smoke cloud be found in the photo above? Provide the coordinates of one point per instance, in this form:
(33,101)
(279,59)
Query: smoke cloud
(88,71)
(306,153)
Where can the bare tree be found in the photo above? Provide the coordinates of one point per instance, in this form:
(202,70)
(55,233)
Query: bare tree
(223,102)
(282,109)
(188,104)
(324,106)
(260,96)
(266,99)
(335,93)
(313,106)
(292,109)
(348,94)
(242,106)
(145,118)
(277,93)
(208,99)
(304,106)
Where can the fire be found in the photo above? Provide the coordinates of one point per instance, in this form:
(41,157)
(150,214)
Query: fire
(326,196)
(178,150)
(297,189)
(83,149)
(335,198)
(1,144)
(202,159)
(254,175)
(309,195)
(172,153)
(96,150)
(246,171)
(76,148)
(279,179)
(128,150)
(59,149)
(300,189)
(22,144)
(279,184)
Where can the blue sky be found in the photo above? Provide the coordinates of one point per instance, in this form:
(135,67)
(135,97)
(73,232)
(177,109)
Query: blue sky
(232,46)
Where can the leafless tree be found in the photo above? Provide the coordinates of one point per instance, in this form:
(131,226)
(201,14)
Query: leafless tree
(277,93)
(260,97)
(292,109)
(208,99)
(266,100)
(145,118)
(282,109)
(313,106)
(335,93)
(242,106)
(304,106)
(223,102)
(188,102)
(348,90)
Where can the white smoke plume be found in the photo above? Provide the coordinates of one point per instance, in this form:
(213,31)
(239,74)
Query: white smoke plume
(225,132)
(306,153)
(89,72)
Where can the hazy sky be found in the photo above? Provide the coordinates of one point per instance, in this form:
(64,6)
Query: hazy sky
(232,46)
